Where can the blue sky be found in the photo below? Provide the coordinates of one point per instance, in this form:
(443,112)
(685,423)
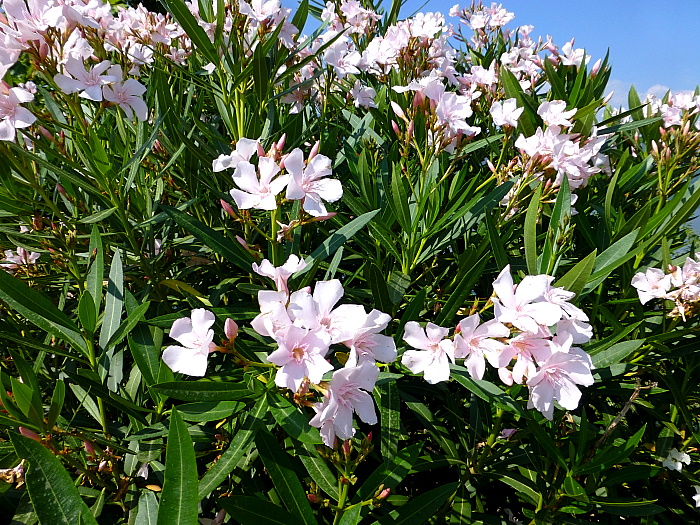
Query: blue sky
(654,45)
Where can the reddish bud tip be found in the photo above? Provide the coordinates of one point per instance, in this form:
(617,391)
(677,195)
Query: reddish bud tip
(29,433)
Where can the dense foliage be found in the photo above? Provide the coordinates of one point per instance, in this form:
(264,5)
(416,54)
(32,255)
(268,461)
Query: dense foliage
(224,239)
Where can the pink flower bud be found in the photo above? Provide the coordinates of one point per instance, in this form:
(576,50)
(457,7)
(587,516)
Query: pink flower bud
(30,434)
(369,437)
(230,329)
(313,498)
(418,99)
(346,447)
(395,127)
(314,150)
(227,208)
(103,465)
(281,142)
(261,150)
(219,517)
(384,493)
(399,112)
(596,68)
(60,189)
(89,448)
(411,129)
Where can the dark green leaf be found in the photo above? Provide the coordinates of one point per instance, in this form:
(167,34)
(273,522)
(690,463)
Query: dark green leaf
(256,511)
(203,390)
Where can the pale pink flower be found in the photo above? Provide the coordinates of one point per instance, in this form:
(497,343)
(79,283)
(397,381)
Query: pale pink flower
(696,498)
(363,96)
(300,355)
(259,10)
(347,393)
(259,193)
(517,306)
(432,354)
(307,183)
(12,115)
(367,344)
(651,285)
(506,113)
(196,336)
(572,57)
(245,148)
(273,315)
(556,380)
(476,343)
(23,257)
(280,274)
(128,96)
(528,349)
(88,83)
(554,113)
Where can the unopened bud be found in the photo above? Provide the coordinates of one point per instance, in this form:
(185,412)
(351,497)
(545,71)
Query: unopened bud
(384,493)
(411,129)
(346,447)
(228,209)
(30,434)
(281,142)
(399,112)
(230,329)
(418,99)
(596,68)
(89,448)
(60,189)
(396,129)
(314,150)
(261,150)
(313,498)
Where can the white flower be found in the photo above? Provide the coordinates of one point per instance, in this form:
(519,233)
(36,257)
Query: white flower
(675,460)
(433,352)
(307,182)
(196,336)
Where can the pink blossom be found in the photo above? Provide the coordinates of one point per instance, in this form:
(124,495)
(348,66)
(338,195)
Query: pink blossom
(280,274)
(196,336)
(554,113)
(367,344)
(432,354)
(128,96)
(307,182)
(348,393)
(507,113)
(88,83)
(475,343)
(528,349)
(556,380)
(273,315)
(23,257)
(259,193)
(651,285)
(12,115)
(300,355)
(363,96)
(523,306)
(245,148)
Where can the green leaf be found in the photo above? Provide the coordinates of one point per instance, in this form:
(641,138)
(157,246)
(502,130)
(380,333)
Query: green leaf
(203,390)
(145,354)
(530,231)
(86,312)
(422,508)
(233,454)
(603,358)
(387,397)
(318,469)
(352,516)
(54,496)
(256,511)
(499,252)
(208,410)
(129,323)
(98,217)
(575,279)
(232,251)
(95,274)
(39,311)
(292,421)
(285,480)
(57,399)
(178,501)
(486,390)
(628,507)
(147,513)
(390,474)
(336,240)
(114,301)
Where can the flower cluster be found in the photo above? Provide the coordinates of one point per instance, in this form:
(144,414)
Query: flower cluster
(680,285)
(304,324)
(258,186)
(530,341)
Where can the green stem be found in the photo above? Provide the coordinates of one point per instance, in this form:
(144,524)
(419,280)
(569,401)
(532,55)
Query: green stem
(495,431)
(343,492)
(93,364)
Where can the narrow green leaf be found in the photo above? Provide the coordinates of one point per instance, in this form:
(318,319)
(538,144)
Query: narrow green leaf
(499,252)
(603,358)
(530,231)
(86,312)
(575,279)
(178,501)
(39,311)
(292,421)
(352,516)
(256,511)
(95,274)
(287,484)
(419,510)
(57,399)
(209,410)
(203,390)
(486,390)
(114,301)
(129,323)
(98,217)
(390,474)
(54,496)
(232,251)
(387,397)
(317,468)
(336,240)
(147,513)
(239,445)
(144,352)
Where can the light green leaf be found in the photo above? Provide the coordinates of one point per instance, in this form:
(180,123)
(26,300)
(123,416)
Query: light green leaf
(114,301)
(147,509)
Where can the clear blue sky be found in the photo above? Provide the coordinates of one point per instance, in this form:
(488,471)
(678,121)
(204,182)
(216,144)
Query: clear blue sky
(652,43)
